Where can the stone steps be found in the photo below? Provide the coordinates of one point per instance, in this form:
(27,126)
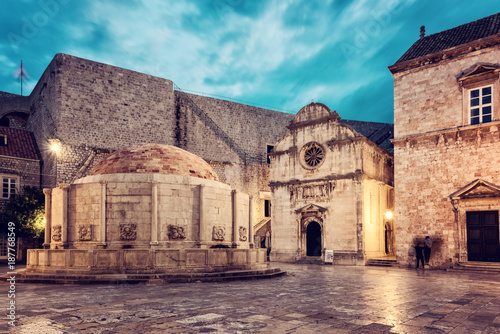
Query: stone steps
(311,260)
(27,277)
(481,267)
(381,263)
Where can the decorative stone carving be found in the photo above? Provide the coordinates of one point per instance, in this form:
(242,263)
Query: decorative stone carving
(312,191)
(243,233)
(219,233)
(85,232)
(177,232)
(128,231)
(57,233)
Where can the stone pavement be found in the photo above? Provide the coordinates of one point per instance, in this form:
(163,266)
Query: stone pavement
(310,299)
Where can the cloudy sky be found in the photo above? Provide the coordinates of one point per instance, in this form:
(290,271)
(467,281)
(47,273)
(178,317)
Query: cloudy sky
(279,54)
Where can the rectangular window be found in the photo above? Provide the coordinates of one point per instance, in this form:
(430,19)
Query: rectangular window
(267,208)
(270,149)
(3,140)
(9,186)
(480,105)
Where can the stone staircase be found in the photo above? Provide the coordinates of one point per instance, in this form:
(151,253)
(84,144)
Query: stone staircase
(311,260)
(381,262)
(28,277)
(478,267)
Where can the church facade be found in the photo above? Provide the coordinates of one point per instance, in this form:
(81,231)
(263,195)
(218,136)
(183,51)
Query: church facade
(447,139)
(332,192)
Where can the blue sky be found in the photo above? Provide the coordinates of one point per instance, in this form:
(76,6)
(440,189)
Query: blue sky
(276,53)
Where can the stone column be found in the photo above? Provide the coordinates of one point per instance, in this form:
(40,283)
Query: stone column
(154,213)
(64,225)
(250,223)
(235,218)
(102,235)
(48,216)
(202,237)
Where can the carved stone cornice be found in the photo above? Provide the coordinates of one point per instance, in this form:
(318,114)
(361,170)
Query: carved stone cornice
(457,131)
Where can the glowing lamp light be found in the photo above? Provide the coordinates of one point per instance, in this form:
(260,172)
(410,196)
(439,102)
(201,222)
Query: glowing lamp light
(55,147)
(388,215)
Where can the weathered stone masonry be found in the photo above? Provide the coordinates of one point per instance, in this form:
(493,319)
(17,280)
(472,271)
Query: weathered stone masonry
(437,151)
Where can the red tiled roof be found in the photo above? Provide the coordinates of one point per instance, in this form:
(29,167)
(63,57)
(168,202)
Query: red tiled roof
(450,38)
(20,144)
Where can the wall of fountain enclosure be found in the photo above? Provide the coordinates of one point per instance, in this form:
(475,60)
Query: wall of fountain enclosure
(146,222)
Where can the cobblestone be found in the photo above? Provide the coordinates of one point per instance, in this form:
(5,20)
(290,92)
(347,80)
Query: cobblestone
(310,299)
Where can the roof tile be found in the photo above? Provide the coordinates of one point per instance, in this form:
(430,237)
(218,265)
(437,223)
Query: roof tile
(20,144)
(450,38)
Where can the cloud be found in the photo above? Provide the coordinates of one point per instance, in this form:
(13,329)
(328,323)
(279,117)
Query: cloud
(276,53)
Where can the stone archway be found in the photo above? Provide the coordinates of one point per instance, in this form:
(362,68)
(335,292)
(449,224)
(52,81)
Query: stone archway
(313,239)
(311,234)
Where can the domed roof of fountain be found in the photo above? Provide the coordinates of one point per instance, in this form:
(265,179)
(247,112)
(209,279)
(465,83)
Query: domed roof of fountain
(155,158)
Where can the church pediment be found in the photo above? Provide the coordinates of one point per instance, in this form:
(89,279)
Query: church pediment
(477,189)
(478,72)
(311,208)
(313,113)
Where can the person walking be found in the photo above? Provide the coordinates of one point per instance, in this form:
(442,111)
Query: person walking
(427,249)
(419,253)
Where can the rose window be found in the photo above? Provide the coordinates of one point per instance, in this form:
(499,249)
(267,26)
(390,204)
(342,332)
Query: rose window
(313,155)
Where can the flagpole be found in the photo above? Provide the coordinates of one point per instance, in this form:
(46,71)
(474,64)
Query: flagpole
(22,77)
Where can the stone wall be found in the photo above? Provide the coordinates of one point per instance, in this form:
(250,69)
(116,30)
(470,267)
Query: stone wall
(92,109)
(436,153)
(181,201)
(105,106)
(250,128)
(428,170)
(144,222)
(429,98)
(74,261)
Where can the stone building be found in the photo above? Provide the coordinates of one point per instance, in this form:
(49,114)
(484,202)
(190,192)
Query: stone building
(447,135)
(20,161)
(331,188)
(80,111)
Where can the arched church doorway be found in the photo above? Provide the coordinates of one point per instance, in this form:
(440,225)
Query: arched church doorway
(313,239)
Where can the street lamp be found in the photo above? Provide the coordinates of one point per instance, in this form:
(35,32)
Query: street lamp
(388,215)
(55,147)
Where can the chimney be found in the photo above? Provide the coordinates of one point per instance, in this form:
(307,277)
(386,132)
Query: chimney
(422,31)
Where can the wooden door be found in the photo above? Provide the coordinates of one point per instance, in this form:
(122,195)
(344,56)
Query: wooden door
(482,236)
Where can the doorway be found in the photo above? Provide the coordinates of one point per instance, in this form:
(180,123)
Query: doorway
(482,236)
(313,239)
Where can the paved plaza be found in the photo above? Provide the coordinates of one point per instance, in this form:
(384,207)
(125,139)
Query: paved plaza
(310,299)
